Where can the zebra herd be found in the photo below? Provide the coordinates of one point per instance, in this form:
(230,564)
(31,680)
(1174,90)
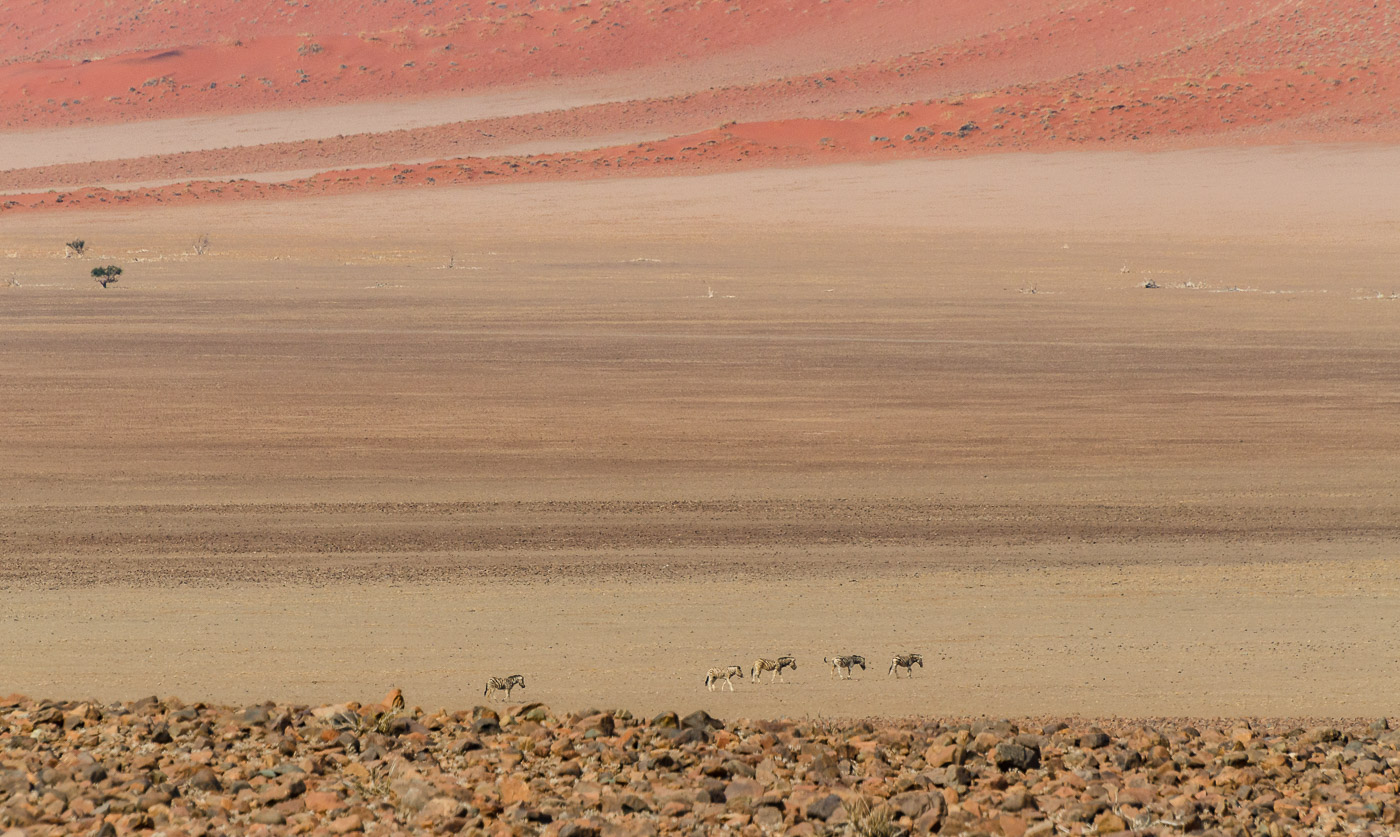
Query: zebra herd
(842,666)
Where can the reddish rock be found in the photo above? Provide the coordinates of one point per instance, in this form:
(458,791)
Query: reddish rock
(346,824)
(321,801)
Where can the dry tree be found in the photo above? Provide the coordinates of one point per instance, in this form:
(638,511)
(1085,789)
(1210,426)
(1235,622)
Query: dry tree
(105,276)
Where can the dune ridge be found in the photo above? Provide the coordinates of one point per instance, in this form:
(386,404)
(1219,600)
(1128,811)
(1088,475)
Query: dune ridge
(707,88)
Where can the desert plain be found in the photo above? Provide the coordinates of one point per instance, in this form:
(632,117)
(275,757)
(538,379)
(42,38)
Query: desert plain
(611,434)
(1073,365)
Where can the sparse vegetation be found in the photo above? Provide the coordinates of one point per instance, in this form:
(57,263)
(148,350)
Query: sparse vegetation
(76,246)
(201,244)
(863,821)
(105,276)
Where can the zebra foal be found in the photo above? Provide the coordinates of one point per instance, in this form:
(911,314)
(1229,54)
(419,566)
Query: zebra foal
(906,662)
(763,664)
(504,684)
(723,673)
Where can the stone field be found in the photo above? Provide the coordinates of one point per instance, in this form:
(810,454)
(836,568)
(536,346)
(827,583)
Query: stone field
(173,768)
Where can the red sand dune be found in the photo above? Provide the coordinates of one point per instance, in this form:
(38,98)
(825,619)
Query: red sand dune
(717,85)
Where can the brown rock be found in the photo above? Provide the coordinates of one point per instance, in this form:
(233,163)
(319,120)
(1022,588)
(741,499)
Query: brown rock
(515,789)
(929,821)
(205,779)
(768,818)
(1011,825)
(268,816)
(439,809)
(942,756)
(911,803)
(743,789)
(1109,823)
(346,824)
(321,801)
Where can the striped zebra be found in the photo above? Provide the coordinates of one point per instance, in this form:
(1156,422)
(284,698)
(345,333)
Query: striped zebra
(906,662)
(763,664)
(846,663)
(504,684)
(715,675)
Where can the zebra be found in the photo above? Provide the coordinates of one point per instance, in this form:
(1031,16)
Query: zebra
(906,662)
(763,664)
(715,675)
(504,684)
(847,662)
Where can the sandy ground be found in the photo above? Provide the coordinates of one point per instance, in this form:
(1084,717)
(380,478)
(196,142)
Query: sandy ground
(609,434)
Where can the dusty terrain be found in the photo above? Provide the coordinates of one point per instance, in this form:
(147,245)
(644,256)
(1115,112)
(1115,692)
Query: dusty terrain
(611,434)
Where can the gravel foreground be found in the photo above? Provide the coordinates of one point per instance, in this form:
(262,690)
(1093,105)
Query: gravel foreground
(167,767)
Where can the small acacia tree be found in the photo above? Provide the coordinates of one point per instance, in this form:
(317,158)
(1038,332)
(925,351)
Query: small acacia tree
(76,245)
(105,276)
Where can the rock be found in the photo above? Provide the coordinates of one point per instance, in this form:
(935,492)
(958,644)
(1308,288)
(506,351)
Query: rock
(823,768)
(486,726)
(1014,757)
(205,779)
(255,716)
(412,794)
(268,816)
(824,808)
(932,819)
(346,824)
(768,818)
(910,803)
(1094,740)
(321,801)
(952,777)
(689,736)
(1109,823)
(604,724)
(515,789)
(743,789)
(666,720)
(944,755)
(97,774)
(440,809)
(700,719)
(1322,735)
